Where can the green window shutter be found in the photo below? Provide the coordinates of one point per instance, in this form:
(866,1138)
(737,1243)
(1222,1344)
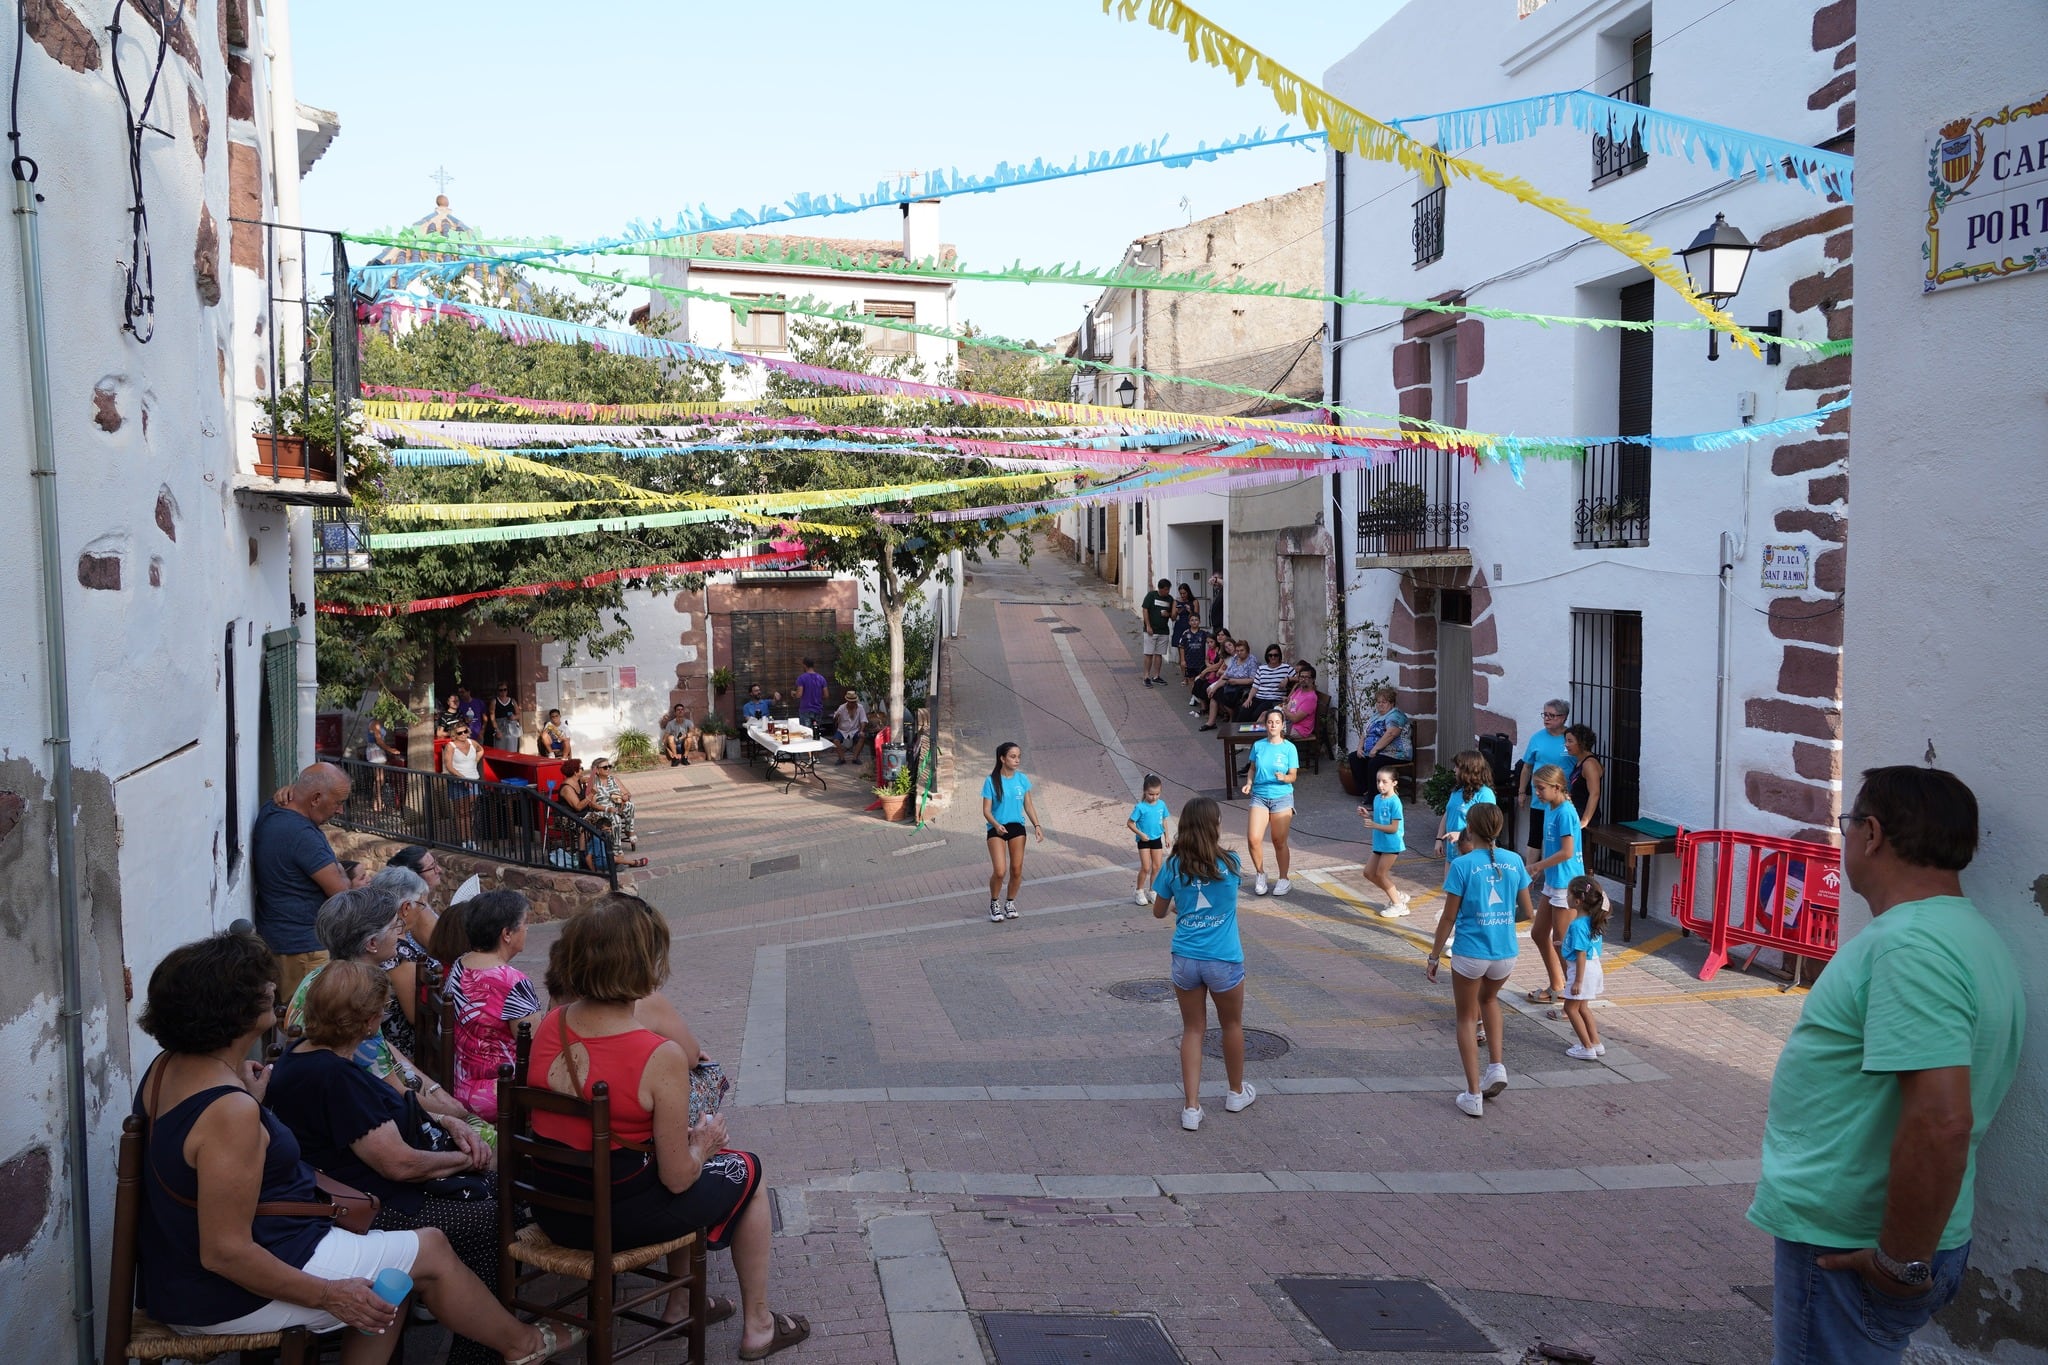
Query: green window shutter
(281,701)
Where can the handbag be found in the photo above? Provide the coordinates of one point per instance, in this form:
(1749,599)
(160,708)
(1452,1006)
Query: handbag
(421,1132)
(347,1207)
(709,1086)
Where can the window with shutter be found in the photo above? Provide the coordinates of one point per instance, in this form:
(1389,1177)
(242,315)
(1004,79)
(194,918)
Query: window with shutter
(762,329)
(890,340)
(1614,479)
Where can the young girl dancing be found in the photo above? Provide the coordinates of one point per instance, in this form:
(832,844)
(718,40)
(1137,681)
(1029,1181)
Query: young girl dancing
(1474,772)
(1005,805)
(1481,893)
(1199,885)
(1583,976)
(1384,816)
(1148,822)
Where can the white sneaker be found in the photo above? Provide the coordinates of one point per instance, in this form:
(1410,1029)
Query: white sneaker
(1143,897)
(1494,1080)
(1282,887)
(1237,1101)
(1009,909)
(1472,1104)
(995,912)
(1395,911)
(1599,1049)
(1583,1054)
(1259,885)
(1191,1119)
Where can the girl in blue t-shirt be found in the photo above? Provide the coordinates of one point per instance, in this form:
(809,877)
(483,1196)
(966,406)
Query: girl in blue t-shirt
(1473,772)
(1482,892)
(1583,977)
(1199,884)
(1560,863)
(1270,785)
(1384,816)
(1005,806)
(1148,822)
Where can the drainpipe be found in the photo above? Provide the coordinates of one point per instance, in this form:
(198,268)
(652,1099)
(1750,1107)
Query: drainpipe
(1335,370)
(1727,572)
(71,1012)
(291,273)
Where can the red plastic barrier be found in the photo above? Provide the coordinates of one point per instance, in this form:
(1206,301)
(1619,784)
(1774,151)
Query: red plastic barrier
(1768,893)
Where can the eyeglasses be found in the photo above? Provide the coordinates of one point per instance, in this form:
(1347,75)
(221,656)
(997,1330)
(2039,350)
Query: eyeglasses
(1553,715)
(1843,822)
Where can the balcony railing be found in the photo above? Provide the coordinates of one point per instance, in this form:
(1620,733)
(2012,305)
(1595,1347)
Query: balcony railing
(1429,226)
(1613,509)
(311,362)
(1413,505)
(1619,150)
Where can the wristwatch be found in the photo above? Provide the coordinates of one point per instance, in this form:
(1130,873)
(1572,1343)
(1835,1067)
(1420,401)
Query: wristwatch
(1913,1274)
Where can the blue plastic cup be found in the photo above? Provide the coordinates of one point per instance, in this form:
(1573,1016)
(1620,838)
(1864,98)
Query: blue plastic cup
(391,1285)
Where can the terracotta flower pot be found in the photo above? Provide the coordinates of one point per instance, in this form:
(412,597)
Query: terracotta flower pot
(893,804)
(287,457)
(714,748)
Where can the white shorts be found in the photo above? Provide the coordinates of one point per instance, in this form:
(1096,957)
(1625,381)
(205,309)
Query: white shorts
(1157,644)
(1574,989)
(1557,896)
(1472,968)
(340,1256)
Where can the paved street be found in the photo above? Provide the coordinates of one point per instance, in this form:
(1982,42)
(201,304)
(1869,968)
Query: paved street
(961,1118)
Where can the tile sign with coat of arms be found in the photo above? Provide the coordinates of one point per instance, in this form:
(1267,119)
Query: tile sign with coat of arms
(1987,207)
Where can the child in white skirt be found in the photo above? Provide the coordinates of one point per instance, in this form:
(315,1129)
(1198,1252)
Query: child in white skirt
(1583,977)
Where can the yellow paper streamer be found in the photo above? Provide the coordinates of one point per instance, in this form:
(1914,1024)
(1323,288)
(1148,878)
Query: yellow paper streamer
(761,504)
(1349,130)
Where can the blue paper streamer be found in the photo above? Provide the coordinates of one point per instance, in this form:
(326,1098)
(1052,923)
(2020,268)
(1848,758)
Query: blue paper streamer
(1729,149)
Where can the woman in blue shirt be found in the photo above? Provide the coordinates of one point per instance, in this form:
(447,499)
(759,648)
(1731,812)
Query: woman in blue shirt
(1199,884)
(1270,785)
(1546,746)
(1561,862)
(1482,891)
(1005,806)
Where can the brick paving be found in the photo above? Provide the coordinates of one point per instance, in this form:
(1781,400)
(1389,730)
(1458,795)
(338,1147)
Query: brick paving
(961,1114)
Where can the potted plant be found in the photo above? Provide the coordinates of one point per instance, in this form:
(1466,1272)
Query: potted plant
(895,794)
(1350,670)
(1613,521)
(301,440)
(721,681)
(1398,512)
(714,730)
(635,751)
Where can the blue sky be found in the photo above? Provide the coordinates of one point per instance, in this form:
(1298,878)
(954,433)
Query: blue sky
(579,119)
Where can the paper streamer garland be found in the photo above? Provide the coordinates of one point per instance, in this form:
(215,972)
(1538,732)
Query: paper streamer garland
(759,504)
(596,580)
(1732,150)
(1349,130)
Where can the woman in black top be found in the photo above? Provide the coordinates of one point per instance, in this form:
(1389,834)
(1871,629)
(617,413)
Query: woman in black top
(1590,776)
(209,1263)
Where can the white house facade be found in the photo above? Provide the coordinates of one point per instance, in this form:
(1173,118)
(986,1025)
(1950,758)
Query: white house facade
(1630,582)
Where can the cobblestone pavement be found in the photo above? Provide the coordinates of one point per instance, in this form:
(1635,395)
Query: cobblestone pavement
(961,1118)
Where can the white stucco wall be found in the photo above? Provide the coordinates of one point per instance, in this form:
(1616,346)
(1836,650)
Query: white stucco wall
(1951,542)
(149,714)
(1561,381)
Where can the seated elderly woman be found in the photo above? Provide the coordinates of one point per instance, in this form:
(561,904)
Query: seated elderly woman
(491,996)
(416,919)
(228,1242)
(362,1133)
(670,1177)
(363,926)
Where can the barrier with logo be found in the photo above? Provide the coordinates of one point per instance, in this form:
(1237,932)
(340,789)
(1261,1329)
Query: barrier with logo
(1767,892)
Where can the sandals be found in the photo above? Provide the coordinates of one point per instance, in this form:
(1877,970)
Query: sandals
(1542,995)
(790,1328)
(632,862)
(554,1340)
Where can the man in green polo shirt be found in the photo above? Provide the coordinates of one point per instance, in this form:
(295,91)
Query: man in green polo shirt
(1899,1061)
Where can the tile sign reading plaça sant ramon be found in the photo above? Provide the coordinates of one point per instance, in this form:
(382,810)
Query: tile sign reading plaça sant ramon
(1987,210)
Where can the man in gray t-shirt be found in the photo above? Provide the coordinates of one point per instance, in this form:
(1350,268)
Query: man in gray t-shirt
(675,735)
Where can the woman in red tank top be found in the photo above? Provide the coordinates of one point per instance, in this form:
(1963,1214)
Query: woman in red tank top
(669,1177)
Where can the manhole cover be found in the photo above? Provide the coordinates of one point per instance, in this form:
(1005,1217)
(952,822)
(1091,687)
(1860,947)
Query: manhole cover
(1149,990)
(1387,1315)
(1259,1045)
(1048,620)
(1058,1339)
(789,862)
(1066,630)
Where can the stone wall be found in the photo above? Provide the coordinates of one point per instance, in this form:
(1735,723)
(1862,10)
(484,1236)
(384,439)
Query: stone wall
(555,895)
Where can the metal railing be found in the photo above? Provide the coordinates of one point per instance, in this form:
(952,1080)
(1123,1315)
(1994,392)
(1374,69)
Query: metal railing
(309,328)
(1614,154)
(1614,496)
(505,821)
(1429,226)
(1413,505)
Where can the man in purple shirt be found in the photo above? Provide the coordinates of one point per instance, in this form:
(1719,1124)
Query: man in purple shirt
(472,709)
(810,697)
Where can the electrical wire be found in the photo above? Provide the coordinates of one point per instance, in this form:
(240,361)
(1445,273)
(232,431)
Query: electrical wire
(16,161)
(138,302)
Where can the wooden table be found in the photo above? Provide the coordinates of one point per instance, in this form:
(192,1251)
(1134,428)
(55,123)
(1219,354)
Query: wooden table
(1233,734)
(1636,849)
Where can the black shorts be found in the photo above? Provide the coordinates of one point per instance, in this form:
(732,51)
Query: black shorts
(1151,843)
(1013,830)
(645,1210)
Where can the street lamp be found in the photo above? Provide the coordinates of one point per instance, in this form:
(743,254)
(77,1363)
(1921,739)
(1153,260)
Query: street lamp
(1126,393)
(1715,264)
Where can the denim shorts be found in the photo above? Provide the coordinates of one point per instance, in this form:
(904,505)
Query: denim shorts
(1217,977)
(1279,805)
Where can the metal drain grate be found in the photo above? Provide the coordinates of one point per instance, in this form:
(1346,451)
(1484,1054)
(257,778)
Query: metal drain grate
(1047,620)
(788,862)
(1060,1339)
(1066,630)
(1146,990)
(1387,1315)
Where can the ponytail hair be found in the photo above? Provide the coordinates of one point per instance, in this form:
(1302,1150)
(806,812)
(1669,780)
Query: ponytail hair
(995,774)
(1589,898)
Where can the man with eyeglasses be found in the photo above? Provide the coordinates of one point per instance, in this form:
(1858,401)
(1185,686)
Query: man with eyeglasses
(1906,1047)
(1545,746)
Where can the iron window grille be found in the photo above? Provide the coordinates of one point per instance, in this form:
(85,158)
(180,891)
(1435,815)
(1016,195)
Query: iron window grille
(1429,226)
(1613,509)
(1414,504)
(311,345)
(1618,151)
(1607,695)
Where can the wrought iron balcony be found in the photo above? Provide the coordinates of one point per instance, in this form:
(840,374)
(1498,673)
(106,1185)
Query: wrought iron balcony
(1619,150)
(1429,226)
(1613,509)
(310,367)
(1413,505)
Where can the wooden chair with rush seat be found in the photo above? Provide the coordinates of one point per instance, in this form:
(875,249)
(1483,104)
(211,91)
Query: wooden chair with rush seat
(434,1027)
(528,1255)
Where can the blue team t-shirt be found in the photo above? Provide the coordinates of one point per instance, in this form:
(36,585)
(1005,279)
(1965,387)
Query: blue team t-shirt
(285,850)
(1149,817)
(1386,810)
(758,709)
(1009,810)
(1454,810)
(1205,913)
(1561,822)
(1580,938)
(1269,760)
(1545,748)
(1487,884)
